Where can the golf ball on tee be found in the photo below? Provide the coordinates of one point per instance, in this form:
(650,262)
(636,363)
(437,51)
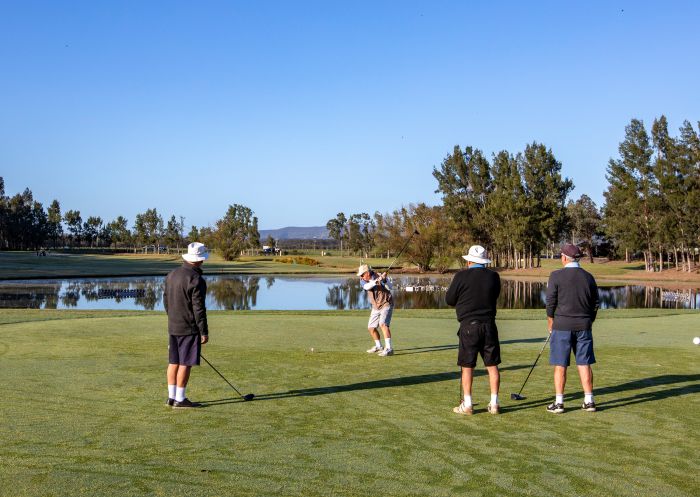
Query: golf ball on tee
(312,349)
(696,340)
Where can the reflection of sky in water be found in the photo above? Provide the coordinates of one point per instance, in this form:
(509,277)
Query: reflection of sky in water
(235,292)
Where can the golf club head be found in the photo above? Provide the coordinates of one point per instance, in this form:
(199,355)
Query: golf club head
(248,396)
(516,396)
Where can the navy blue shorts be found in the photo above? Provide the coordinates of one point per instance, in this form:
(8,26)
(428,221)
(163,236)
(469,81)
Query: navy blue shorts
(184,350)
(563,342)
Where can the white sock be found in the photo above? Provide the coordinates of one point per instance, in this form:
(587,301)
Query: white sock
(467,401)
(179,394)
(587,398)
(559,398)
(171,391)
(378,343)
(387,343)
(494,399)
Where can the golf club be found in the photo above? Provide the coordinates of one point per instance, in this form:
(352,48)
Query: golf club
(517,396)
(246,397)
(415,232)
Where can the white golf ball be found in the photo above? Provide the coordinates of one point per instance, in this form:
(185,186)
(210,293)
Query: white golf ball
(696,340)
(312,349)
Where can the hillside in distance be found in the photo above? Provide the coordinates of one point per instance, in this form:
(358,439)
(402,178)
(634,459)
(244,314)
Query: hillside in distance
(296,233)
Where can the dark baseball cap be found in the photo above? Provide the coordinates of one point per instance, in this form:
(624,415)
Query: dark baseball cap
(572,251)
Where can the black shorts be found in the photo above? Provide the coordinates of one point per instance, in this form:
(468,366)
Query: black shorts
(476,337)
(184,350)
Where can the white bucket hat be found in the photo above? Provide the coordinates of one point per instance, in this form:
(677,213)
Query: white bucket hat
(477,254)
(196,252)
(362,270)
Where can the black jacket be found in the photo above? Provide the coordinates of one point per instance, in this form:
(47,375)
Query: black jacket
(183,298)
(474,292)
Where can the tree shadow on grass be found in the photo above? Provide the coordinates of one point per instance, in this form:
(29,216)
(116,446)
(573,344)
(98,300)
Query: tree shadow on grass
(664,380)
(401,381)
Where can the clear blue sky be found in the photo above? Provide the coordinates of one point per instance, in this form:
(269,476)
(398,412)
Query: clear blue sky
(300,110)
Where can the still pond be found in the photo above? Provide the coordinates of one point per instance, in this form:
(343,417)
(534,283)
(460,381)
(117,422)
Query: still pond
(283,292)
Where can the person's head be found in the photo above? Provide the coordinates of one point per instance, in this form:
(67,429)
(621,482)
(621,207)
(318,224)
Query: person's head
(196,254)
(476,255)
(364,272)
(570,253)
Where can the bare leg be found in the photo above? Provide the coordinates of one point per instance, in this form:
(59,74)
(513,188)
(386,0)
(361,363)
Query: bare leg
(374,333)
(183,375)
(467,377)
(172,374)
(559,379)
(494,379)
(385,330)
(586,375)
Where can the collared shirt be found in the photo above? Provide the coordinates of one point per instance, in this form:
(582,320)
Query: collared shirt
(476,265)
(572,264)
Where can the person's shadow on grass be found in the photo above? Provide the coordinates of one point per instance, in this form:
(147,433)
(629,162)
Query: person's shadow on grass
(692,386)
(400,381)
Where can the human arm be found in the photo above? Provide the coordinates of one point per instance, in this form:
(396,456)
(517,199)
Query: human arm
(199,293)
(453,291)
(551,301)
(595,298)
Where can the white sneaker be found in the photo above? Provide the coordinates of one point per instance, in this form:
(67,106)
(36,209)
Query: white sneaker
(375,349)
(386,352)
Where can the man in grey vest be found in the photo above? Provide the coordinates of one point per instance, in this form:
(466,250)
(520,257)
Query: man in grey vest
(572,305)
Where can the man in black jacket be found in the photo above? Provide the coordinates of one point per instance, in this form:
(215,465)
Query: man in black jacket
(572,305)
(183,298)
(474,292)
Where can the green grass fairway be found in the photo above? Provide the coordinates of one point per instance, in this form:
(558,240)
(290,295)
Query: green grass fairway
(83,412)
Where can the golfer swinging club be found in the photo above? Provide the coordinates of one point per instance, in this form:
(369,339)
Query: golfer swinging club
(183,297)
(379,292)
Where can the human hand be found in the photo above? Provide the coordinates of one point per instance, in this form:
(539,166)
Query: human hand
(204,339)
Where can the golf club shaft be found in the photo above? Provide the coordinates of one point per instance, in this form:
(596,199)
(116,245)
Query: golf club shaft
(400,252)
(222,376)
(535,364)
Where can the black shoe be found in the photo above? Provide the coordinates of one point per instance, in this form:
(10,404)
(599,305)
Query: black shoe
(186,403)
(588,406)
(555,408)
(170,402)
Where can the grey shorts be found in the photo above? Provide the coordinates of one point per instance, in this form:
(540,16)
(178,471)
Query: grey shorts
(379,317)
(562,343)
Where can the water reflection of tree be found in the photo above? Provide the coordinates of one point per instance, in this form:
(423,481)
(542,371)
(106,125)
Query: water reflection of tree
(152,294)
(347,295)
(269,281)
(236,294)
(71,294)
(517,294)
(30,296)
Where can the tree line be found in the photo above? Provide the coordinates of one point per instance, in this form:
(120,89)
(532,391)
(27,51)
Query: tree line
(516,205)
(26,225)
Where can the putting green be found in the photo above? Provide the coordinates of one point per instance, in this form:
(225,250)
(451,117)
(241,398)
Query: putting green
(83,409)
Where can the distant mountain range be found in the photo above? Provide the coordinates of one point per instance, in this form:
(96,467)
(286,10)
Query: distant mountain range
(296,233)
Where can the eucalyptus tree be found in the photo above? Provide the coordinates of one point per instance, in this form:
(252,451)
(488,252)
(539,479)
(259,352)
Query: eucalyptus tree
(236,231)
(54,218)
(74,223)
(585,220)
(337,229)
